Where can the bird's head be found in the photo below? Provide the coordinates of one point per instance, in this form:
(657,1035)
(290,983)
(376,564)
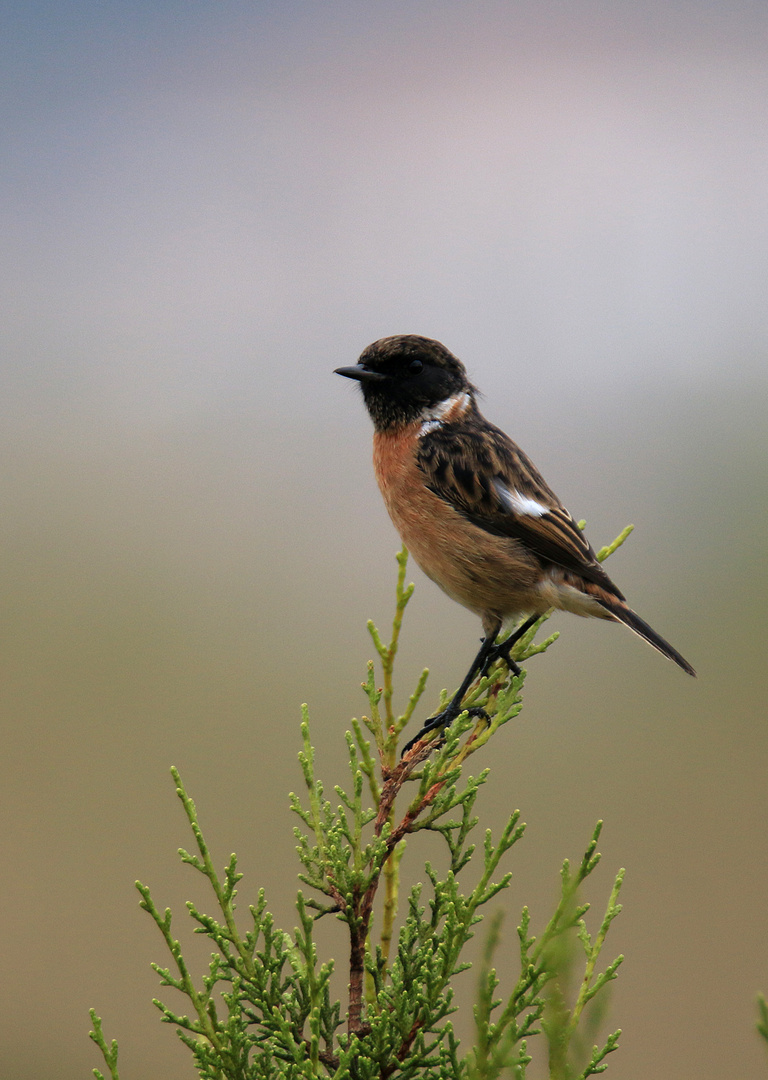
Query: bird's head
(406,377)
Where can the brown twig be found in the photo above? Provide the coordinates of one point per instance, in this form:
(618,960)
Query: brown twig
(359,917)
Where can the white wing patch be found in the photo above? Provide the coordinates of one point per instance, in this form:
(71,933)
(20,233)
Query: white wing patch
(519,504)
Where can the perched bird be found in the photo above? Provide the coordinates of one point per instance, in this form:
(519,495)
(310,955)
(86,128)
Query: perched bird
(472,509)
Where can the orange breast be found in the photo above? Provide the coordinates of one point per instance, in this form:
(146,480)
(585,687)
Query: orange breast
(488,574)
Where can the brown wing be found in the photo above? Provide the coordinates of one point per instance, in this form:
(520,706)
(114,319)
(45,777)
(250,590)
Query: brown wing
(479,470)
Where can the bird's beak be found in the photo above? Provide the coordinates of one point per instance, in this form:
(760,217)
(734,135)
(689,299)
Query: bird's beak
(361,373)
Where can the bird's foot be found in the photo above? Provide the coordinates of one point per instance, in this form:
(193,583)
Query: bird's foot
(443,720)
(501,651)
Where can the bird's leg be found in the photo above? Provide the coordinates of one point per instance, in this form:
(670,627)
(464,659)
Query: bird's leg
(504,648)
(452,710)
(489,653)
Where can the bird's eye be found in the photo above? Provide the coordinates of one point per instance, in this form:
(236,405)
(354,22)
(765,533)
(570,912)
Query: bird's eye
(415,367)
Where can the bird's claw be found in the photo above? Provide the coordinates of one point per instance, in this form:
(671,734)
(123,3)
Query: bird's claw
(443,720)
(501,652)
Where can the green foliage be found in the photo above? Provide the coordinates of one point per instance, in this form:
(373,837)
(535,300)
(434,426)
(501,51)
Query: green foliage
(264,1010)
(762,1023)
(109,1052)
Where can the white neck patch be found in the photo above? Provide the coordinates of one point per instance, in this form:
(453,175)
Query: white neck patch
(450,409)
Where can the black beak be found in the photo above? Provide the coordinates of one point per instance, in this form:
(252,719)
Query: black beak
(362,374)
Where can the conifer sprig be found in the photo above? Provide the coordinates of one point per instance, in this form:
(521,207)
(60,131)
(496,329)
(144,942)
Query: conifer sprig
(762,1023)
(264,1010)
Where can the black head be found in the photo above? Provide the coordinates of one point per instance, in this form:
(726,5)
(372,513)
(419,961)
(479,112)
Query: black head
(404,376)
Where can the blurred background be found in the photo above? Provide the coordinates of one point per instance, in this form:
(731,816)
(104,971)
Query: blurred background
(208,207)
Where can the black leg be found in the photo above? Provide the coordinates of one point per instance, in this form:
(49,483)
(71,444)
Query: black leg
(502,651)
(489,653)
(452,710)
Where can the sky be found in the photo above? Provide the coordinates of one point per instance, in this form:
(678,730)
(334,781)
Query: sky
(205,209)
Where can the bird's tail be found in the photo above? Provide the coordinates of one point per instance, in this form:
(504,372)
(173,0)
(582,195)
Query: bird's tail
(626,615)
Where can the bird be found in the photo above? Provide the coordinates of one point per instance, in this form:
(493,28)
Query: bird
(473,510)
